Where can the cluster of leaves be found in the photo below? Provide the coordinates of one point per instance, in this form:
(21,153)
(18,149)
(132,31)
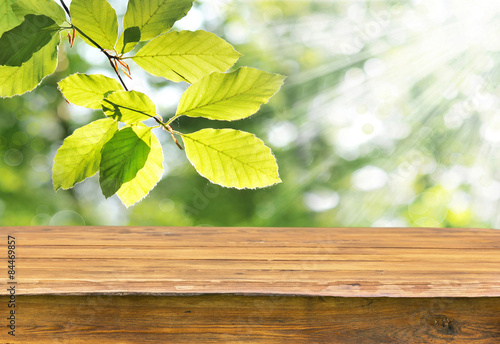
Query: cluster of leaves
(129,157)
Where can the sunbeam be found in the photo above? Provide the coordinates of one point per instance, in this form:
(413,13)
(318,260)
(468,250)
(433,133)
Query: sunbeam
(409,87)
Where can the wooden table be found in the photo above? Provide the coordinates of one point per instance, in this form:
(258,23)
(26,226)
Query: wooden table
(251,285)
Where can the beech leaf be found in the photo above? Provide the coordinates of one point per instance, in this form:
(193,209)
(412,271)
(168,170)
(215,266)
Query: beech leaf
(231,158)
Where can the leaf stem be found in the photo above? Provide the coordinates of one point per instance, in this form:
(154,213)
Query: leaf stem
(171,120)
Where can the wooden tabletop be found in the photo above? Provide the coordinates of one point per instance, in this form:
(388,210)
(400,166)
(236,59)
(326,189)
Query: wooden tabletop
(348,262)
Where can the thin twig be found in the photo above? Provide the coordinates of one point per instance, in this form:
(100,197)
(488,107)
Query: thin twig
(169,129)
(109,56)
(118,75)
(65,8)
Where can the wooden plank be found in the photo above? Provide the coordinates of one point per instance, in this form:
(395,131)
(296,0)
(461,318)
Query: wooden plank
(244,237)
(347,262)
(89,319)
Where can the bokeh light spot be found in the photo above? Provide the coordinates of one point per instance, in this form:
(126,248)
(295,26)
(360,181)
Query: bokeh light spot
(67,218)
(369,178)
(13,157)
(166,205)
(323,200)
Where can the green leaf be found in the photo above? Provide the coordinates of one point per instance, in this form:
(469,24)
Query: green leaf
(39,7)
(136,189)
(123,157)
(154,17)
(186,55)
(229,96)
(88,90)
(80,155)
(231,158)
(8,19)
(22,42)
(95,19)
(128,40)
(129,107)
(19,80)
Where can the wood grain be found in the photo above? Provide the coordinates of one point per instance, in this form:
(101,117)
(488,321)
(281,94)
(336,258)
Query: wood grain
(225,318)
(346,262)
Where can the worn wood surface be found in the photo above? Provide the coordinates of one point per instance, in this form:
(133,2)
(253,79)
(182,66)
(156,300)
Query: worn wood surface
(347,262)
(240,285)
(223,318)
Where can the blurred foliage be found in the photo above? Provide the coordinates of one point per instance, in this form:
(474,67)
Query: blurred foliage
(389,117)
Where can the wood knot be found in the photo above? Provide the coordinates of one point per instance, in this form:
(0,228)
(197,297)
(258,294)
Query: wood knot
(444,324)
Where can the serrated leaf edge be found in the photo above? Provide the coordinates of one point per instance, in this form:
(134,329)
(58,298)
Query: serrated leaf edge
(235,187)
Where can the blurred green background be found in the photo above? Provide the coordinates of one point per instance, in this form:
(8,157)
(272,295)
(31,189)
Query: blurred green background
(389,117)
